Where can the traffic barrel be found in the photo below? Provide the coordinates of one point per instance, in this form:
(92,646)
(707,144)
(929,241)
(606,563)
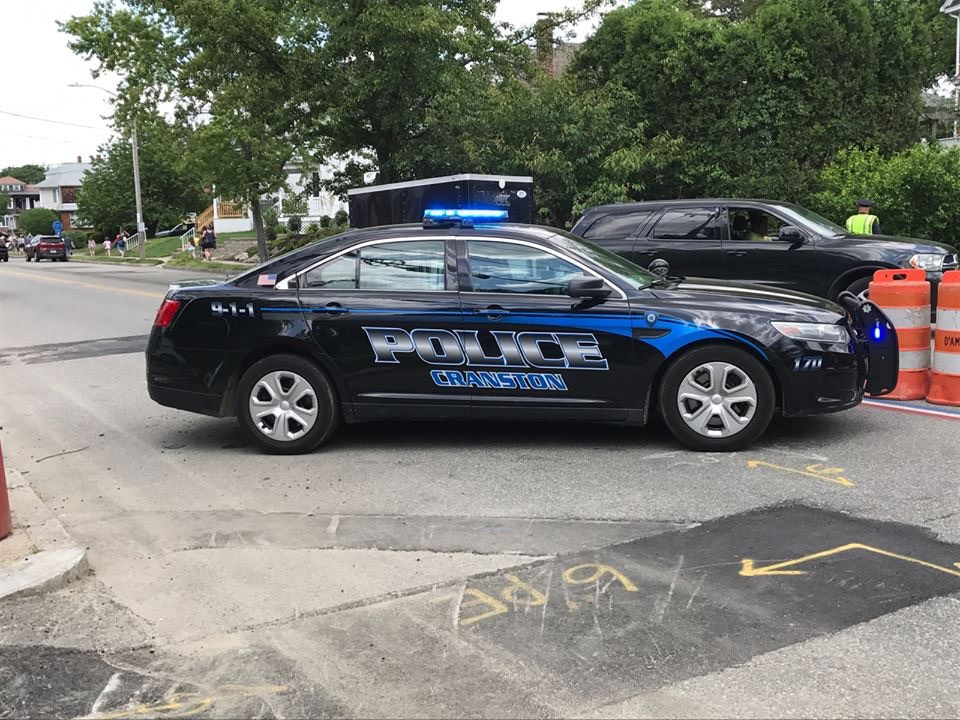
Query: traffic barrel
(6,522)
(945,379)
(904,297)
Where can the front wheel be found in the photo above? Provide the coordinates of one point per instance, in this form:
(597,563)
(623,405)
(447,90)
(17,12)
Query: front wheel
(859,287)
(717,398)
(287,405)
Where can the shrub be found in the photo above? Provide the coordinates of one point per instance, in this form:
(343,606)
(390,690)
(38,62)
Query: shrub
(294,223)
(313,228)
(38,221)
(271,232)
(295,205)
(270,218)
(341,218)
(325,221)
(915,193)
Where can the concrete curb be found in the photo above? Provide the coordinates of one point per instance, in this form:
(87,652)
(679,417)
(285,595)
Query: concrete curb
(58,559)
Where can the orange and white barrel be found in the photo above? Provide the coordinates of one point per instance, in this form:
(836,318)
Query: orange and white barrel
(945,378)
(904,297)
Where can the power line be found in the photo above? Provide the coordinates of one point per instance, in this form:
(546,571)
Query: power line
(55,122)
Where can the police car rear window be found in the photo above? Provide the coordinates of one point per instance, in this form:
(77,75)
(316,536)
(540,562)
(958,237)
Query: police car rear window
(412,265)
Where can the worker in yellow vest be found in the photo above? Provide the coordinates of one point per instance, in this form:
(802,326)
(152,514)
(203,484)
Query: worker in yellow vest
(863,223)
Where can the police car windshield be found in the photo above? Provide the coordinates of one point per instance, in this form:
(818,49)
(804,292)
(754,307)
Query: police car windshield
(811,220)
(633,275)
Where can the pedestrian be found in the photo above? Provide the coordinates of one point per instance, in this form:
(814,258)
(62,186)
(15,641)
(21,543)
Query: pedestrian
(194,246)
(208,242)
(91,246)
(122,242)
(107,245)
(863,223)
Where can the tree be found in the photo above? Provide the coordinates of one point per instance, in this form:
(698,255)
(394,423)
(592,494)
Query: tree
(227,64)
(37,221)
(30,174)
(764,102)
(4,202)
(170,188)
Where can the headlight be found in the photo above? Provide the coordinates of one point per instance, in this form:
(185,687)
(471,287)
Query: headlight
(927,261)
(814,332)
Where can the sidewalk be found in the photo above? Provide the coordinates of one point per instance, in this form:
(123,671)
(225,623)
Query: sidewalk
(39,556)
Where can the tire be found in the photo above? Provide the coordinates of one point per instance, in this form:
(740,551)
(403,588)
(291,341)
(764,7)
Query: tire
(859,286)
(738,424)
(270,379)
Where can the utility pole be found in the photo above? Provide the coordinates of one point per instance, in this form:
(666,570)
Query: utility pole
(136,189)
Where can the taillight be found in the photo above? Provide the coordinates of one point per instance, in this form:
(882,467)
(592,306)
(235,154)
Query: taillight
(166,313)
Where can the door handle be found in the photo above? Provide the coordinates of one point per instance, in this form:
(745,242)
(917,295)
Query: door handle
(736,253)
(494,311)
(333,309)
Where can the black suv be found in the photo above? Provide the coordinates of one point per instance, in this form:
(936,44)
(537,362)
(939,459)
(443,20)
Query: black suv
(758,241)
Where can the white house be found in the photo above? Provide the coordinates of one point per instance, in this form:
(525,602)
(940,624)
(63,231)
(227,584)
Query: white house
(58,190)
(302,196)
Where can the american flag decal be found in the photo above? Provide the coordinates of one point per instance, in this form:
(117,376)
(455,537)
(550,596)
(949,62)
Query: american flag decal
(267,280)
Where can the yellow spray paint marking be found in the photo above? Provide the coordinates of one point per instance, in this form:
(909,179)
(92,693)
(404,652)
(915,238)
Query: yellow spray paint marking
(569,576)
(182,704)
(158,295)
(189,704)
(748,569)
(478,597)
(531,598)
(830,474)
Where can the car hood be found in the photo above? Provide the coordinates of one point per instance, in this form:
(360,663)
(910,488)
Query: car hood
(722,296)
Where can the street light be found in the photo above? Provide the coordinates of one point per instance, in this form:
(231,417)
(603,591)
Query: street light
(141,228)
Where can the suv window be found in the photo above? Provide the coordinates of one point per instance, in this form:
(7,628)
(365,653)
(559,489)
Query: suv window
(414,266)
(509,268)
(688,224)
(617,226)
(752,225)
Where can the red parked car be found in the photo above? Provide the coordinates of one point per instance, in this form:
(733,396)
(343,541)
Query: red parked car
(46,246)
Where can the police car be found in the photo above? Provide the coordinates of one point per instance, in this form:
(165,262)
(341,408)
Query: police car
(462,317)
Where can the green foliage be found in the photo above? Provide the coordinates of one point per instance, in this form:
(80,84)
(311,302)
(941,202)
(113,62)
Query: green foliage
(78,237)
(294,205)
(341,218)
(4,202)
(313,228)
(325,221)
(294,223)
(37,221)
(916,192)
(270,218)
(169,187)
(762,104)
(270,232)
(30,174)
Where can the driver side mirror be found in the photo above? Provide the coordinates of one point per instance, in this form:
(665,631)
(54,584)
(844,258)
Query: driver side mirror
(791,234)
(587,287)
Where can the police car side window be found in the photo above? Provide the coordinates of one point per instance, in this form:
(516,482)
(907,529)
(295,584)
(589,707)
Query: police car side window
(510,268)
(337,274)
(415,265)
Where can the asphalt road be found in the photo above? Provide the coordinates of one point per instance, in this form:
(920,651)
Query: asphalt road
(441,570)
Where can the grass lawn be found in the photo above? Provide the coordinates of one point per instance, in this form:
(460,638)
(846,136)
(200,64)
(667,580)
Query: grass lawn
(114,259)
(161,247)
(185,261)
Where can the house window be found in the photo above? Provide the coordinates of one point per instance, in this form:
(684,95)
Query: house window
(69,194)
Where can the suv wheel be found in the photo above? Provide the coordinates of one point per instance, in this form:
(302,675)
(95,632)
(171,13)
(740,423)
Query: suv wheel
(859,287)
(287,405)
(717,398)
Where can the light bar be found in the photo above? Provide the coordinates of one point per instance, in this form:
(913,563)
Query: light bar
(468,214)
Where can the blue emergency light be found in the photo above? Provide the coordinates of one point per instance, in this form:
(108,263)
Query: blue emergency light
(464,214)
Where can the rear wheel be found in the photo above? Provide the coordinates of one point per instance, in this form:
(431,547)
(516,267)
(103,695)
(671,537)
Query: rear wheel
(287,405)
(717,398)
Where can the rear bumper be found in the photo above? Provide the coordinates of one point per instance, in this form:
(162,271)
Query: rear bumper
(202,403)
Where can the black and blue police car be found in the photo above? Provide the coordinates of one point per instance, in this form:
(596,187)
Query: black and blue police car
(463,317)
